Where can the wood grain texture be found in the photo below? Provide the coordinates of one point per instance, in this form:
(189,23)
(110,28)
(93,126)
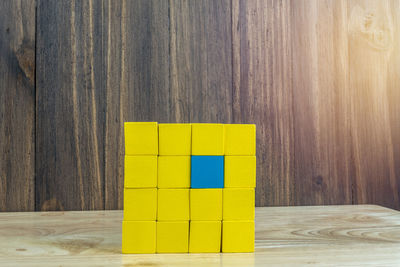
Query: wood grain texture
(70,106)
(262,92)
(320,78)
(371,43)
(285,236)
(393,93)
(116,100)
(132,43)
(17,105)
(327,123)
(322,170)
(200,61)
(137,79)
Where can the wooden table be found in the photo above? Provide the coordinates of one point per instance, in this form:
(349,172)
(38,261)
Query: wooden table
(330,235)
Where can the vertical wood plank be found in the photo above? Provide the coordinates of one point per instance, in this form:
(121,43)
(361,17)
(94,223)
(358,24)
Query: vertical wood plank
(70,106)
(137,80)
(262,92)
(116,95)
(321,103)
(200,61)
(147,32)
(393,93)
(17,105)
(371,62)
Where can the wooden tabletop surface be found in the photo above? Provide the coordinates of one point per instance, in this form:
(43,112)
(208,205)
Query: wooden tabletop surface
(329,235)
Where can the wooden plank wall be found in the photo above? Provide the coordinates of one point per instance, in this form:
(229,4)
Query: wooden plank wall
(320,78)
(17,105)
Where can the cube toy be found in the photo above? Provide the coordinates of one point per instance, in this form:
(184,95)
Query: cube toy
(141,138)
(172,237)
(237,236)
(210,177)
(205,236)
(140,204)
(173,171)
(240,171)
(189,188)
(207,139)
(138,236)
(173,205)
(238,204)
(205,204)
(175,139)
(140,171)
(240,139)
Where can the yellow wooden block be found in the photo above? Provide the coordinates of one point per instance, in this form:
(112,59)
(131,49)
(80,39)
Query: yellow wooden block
(173,171)
(240,171)
(238,203)
(140,204)
(205,236)
(141,138)
(206,204)
(174,138)
(207,139)
(173,205)
(238,236)
(138,237)
(172,237)
(140,171)
(240,139)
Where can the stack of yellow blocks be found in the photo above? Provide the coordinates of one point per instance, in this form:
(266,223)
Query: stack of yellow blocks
(189,188)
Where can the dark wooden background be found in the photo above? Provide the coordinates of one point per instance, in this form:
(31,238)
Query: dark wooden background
(320,78)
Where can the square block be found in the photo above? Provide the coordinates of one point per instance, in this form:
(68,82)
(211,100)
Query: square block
(207,139)
(175,139)
(173,205)
(172,237)
(205,237)
(207,172)
(140,171)
(141,138)
(173,171)
(238,204)
(206,204)
(138,237)
(238,236)
(140,204)
(240,139)
(240,171)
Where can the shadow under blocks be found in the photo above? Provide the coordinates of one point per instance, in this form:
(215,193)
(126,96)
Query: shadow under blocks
(189,188)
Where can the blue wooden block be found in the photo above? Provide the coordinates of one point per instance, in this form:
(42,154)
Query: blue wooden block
(207,172)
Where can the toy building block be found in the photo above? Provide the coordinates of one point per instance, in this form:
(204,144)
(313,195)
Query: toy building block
(138,237)
(173,205)
(206,204)
(175,139)
(173,171)
(240,171)
(140,171)
(207,172)
(140,204)
(205,236)
(238,204)
(238,236)
(207,139)
(240,139)
(173,237)
(141,138)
